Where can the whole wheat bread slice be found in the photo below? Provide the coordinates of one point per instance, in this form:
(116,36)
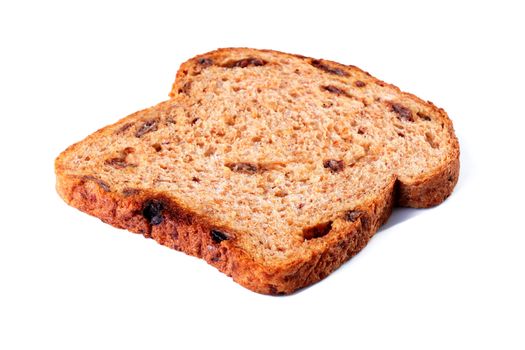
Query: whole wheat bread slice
(274,168)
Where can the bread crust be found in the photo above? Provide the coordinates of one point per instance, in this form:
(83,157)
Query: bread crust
(186,231)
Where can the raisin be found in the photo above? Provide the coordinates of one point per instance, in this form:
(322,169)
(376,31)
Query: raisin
(153,211)
(359,83)
(326,68)
(218,236)
(403,113)
(205,62)
(334,90)
(147,126)
(245,62)
(352,215)
(118,163)
(334,165)
(103,185)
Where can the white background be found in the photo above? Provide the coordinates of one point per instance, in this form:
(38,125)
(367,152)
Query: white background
(451,277)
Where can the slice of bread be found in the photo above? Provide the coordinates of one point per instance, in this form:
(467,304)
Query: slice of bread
(274,168)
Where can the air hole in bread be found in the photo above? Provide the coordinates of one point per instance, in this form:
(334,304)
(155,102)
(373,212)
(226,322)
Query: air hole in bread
(317,231)
(229,120)
(157,147)
(424,117)
(429,138)
(280,193)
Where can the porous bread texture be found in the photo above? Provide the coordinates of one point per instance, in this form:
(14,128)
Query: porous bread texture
(283,166)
